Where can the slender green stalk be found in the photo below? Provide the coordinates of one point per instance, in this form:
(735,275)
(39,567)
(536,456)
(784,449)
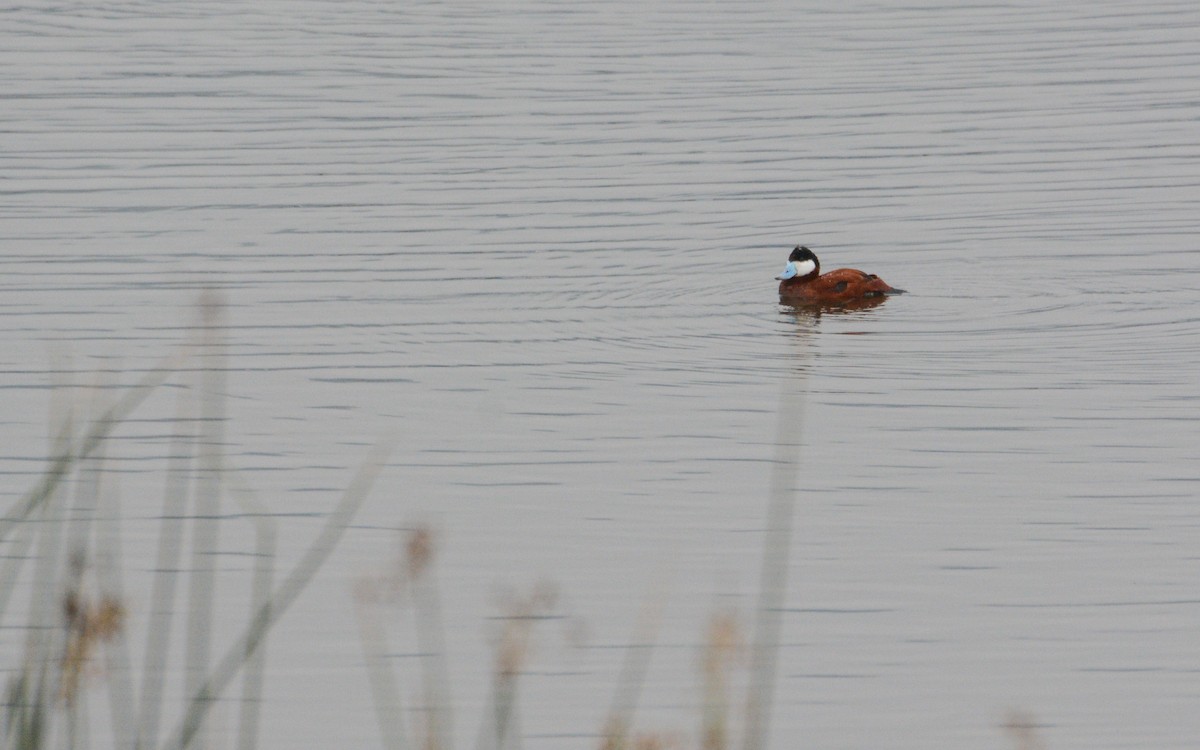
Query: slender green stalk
(505,710)
(633,672)
(66,453)
(282,598)
(116,648)
(427,613)
(511,653)
(385,687)
(46,639)
(264,572)
(764,652)
(202,576)
(15,555)
(165,582)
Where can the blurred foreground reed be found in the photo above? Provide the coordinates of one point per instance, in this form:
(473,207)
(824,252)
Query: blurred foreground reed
(62,542)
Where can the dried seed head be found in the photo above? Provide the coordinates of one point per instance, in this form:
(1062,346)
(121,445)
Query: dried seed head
(419,551)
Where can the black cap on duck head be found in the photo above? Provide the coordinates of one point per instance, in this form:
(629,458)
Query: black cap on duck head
(802,262)
(802,253)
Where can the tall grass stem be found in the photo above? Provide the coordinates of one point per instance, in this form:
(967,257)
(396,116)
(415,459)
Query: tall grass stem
(764,650)
(280,600)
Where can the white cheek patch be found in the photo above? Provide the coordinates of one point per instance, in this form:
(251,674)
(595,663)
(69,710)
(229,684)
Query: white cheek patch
(805,267)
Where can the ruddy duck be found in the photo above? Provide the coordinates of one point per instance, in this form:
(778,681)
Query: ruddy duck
(801,283)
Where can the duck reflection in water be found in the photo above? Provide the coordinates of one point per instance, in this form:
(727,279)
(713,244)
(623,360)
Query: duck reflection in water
(802,285)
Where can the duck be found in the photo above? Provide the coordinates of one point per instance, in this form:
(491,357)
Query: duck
(802,283)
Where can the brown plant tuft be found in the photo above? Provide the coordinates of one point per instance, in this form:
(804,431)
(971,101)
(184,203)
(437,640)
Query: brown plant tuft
(419,551)
(1022,728)
(88,624)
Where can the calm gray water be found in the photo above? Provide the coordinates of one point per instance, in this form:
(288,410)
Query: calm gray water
(532,245)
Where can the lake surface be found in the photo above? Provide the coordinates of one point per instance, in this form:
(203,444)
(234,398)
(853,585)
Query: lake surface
(531,246)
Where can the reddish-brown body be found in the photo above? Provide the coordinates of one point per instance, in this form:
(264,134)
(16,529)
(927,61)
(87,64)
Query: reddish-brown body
(845,286)
(834,288)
